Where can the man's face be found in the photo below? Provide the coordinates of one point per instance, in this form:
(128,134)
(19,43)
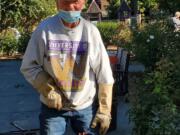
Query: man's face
(70,5)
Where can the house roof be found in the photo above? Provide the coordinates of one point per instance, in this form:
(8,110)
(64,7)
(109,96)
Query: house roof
(94,8)
(98,3)
(124,7)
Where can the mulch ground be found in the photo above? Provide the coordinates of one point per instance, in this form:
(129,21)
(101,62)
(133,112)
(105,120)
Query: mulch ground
(12,57)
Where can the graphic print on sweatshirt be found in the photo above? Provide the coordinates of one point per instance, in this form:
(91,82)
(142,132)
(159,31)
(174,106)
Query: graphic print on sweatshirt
(68,60)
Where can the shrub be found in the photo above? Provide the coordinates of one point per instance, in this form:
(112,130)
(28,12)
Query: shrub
(154,113)
(124,36)
(108,30)
(23,42)
(115,33)
(113,9)
(153,42)
(8,43)
(24,13)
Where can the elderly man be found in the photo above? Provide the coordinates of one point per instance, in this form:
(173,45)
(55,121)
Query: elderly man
(176,21)
(65,61)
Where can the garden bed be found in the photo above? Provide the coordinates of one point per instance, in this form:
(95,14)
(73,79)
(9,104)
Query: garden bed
(11,57)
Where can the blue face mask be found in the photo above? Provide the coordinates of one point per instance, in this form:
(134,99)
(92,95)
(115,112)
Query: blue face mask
(70,16)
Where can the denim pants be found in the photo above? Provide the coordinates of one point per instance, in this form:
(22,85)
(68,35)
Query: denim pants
(54,122)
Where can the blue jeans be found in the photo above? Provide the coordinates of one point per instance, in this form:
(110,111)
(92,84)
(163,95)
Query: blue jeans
(54,122)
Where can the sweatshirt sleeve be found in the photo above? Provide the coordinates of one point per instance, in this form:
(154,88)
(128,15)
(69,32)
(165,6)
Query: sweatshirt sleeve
(99,60)
(33,58)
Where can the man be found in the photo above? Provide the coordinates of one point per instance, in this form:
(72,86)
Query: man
(176,21)
(64,61)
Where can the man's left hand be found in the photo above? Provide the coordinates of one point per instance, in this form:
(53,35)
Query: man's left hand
(103,121)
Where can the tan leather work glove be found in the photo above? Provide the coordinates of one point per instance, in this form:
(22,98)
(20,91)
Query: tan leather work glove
(103,115)
(46,86)
(53,100)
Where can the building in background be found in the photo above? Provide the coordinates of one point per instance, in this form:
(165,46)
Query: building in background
(94,12)
(103,6)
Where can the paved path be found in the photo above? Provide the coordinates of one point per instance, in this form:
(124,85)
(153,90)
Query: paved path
(20,103)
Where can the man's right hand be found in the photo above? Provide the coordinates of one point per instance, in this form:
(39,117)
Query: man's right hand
(53,100)
(47,87)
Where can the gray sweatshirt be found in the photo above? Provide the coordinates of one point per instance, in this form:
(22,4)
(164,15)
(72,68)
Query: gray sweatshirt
(75,58)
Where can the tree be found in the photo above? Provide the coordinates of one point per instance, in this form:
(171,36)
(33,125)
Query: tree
(24,13)
(170,6)
(134,6)
(146,6)
(113,8)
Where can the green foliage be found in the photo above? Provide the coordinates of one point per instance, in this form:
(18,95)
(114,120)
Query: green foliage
(8,43)
(154,113)
(113,8)
(25,13)
(115,33)
(154,41)
(108,30)
(175,91)
(170,6)
(147,6)
(23,42)
(124,35)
